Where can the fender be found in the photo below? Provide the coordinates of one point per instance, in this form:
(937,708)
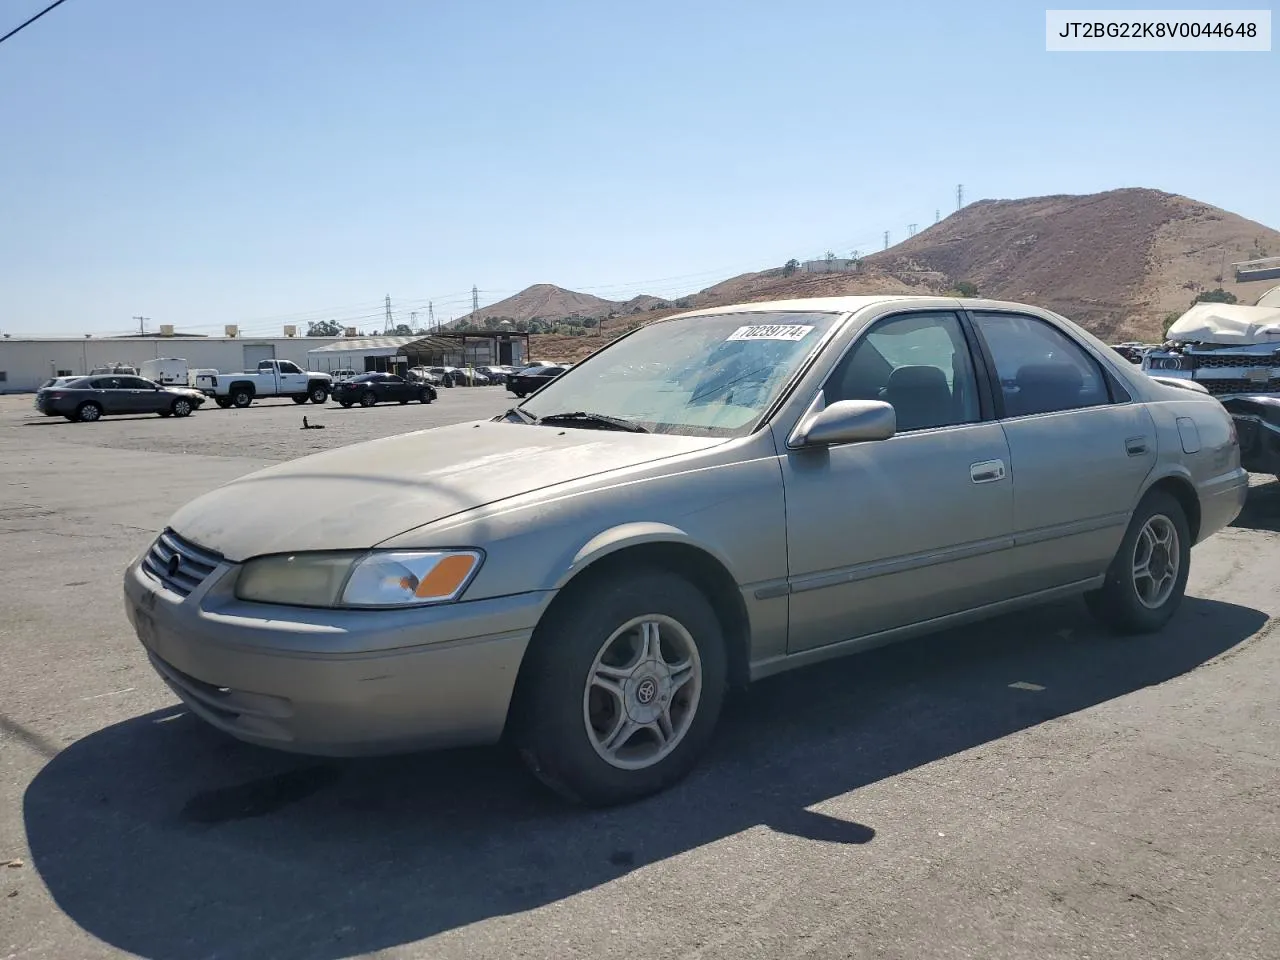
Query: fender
(630,535)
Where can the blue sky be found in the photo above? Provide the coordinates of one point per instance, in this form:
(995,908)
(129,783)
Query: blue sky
(273,161)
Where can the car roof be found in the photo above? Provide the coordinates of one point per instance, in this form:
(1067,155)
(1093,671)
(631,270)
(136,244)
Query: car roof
(851,305)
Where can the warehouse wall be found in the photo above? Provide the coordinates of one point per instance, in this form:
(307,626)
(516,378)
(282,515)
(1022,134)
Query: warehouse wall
(25,364)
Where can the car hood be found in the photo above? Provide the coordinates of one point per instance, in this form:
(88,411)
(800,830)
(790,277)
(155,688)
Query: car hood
(357,496)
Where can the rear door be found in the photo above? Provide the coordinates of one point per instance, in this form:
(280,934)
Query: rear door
(1080,448)
(110,393)
(890,533)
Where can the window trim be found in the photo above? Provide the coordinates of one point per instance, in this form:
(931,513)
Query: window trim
(981,374)
(1106,376)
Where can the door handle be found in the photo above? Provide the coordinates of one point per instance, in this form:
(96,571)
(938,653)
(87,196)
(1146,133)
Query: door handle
(987,471)
(1135,446)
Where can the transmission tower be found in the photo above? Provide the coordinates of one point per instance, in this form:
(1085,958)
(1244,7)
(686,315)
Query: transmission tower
(387,326)
(886,239)
(475,302)
(911,229)
(959,196)
(937,215)
(431,315)
(413,320)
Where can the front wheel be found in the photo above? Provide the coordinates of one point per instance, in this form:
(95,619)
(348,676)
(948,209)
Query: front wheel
(346,404)
(424,396)
(621,689)
(1146,580)
(181,407)
(89,413)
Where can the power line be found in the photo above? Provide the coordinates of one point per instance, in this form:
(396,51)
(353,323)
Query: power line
(31,21)
(142,324)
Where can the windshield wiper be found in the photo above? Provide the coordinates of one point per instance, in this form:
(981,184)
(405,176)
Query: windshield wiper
(524,415)
(599,419)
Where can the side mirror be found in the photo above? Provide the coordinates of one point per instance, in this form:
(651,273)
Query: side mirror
(846,421)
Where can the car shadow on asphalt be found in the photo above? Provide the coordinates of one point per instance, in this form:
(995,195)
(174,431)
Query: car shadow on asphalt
(1261,509)
(164,839)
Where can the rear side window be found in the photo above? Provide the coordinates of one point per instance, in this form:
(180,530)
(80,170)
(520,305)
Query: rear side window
(1040,369)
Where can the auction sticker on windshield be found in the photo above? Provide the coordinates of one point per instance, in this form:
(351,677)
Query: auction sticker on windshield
(771,331)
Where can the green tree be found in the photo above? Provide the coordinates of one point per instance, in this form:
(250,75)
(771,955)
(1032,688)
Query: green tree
(1169,320)
(402,330)
(965,288)
(324,328)
(790,267)
(522,326)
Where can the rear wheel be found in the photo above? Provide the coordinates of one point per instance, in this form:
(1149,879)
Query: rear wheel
(368,400)
(222,402)
(88,412)
(241,398)
(300,399)
(622,689)
(1146,580)
(345,403)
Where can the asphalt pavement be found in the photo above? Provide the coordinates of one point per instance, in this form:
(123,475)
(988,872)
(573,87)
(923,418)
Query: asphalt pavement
(1026,788)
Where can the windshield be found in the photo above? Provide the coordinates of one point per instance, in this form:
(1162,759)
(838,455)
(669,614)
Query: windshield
(710,375)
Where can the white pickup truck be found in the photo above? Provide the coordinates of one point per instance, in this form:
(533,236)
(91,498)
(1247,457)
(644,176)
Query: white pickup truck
(273,378)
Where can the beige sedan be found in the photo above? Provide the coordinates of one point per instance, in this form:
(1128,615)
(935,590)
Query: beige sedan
(711,499)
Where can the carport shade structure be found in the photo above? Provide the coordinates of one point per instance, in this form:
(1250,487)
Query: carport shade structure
(368,354)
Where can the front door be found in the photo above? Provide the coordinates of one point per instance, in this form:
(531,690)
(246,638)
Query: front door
(1081,450)
(905,530)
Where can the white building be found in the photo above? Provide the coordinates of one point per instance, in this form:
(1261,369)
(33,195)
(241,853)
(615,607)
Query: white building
(25,363)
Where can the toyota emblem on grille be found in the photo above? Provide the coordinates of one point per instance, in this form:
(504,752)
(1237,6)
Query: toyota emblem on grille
(175,562)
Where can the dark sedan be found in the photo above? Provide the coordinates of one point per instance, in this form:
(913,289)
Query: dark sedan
(91,398)
(371,388)
(530,379)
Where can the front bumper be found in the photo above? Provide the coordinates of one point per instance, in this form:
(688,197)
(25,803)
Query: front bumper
(1257,421)
(335,682)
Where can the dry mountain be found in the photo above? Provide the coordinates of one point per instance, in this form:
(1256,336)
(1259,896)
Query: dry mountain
(1117,262)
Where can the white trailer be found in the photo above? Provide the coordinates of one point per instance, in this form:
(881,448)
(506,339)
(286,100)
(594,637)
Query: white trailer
(168,371)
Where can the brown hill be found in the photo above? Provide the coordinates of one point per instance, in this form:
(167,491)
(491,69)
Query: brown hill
(545,301)
(1117,262)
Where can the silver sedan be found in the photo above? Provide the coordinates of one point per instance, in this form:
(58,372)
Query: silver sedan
(708,500)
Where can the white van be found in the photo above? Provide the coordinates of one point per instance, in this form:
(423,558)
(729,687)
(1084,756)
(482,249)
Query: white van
(165,370)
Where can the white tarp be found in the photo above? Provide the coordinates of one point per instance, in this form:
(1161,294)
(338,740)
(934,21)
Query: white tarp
(1227,323)
(1271,298)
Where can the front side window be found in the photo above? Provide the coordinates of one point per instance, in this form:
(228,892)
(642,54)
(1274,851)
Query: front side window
(918,362)
(287,367)
(1040,369)
(700,375)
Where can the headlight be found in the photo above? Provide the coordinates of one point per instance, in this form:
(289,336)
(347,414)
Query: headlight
(381,578)
(1171,363)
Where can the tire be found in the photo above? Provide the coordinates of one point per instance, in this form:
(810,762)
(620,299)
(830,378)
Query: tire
(222,402)
(1132,604)
(402,402)
(301,399)
(424,396)
(88,413)
(562,720)
(318,394)
(165,413)
(519,393)
(368,399)
(346,404)
(241,398)
(181,408)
